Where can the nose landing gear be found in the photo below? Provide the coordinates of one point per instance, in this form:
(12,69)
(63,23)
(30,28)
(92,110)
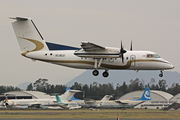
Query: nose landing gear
(161,74)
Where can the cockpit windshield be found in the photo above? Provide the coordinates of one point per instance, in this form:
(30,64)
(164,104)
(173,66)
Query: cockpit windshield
(152,56)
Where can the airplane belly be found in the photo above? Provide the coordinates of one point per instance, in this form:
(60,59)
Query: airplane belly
(75,65)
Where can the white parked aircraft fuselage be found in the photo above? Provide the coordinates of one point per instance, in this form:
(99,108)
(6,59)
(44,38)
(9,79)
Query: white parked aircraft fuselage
(31,102)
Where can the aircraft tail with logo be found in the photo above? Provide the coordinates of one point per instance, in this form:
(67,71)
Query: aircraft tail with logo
(9,104)
(28,36)
(30,39)
(66,105)
(61,104)
(146,95)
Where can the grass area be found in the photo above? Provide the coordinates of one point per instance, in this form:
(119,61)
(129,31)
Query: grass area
(86,113)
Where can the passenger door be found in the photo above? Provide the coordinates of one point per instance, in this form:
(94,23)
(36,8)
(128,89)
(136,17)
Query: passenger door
(133,60)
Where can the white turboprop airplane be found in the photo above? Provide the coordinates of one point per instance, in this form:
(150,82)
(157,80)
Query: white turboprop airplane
(89,56)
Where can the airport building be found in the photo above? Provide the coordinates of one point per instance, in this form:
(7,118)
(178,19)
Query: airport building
(159,99)
(25,95)
(176,98)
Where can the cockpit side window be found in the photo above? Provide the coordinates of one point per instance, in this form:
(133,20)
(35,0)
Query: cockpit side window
(156,56)
(152,56)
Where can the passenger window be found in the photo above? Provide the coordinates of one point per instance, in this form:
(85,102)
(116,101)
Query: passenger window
(149,56)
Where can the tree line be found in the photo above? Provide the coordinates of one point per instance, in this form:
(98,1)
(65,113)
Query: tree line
(97,91)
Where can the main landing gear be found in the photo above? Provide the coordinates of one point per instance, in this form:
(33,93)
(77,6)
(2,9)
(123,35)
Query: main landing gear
(105,74)
(161,74)
(96,73)
(97,64)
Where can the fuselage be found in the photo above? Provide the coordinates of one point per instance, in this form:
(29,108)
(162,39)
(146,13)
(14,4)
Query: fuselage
(89,56)
(31,102)
(133,60)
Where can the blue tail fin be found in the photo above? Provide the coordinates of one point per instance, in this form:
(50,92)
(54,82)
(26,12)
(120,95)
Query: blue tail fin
(57,98)
(146,95)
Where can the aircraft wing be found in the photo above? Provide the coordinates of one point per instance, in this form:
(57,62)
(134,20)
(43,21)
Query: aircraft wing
(87,46)
(122,101)
(91,50)
(90,101)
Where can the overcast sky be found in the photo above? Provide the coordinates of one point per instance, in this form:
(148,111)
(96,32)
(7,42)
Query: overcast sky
(152,25)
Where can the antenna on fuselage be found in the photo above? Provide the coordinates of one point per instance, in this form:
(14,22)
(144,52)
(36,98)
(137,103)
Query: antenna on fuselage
(131,46)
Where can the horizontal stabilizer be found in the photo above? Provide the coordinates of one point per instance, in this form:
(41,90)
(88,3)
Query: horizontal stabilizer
(19,18)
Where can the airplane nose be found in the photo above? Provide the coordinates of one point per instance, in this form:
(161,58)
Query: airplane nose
(171,66)
(168,65)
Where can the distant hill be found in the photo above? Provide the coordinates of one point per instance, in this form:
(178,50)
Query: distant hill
(118,76)
(23,85)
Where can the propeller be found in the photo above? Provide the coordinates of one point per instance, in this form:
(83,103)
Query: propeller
(121,54)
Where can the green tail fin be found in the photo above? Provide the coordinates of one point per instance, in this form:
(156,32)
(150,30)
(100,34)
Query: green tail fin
(57,98)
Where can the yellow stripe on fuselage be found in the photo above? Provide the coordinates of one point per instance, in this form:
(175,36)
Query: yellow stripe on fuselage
(109,66)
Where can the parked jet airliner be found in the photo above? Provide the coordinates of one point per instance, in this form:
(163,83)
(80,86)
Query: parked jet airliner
(45,103)
(89,56)
(106,103)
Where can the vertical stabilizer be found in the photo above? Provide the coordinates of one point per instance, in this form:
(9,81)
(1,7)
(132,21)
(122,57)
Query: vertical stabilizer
(6,99)
(28,36)
(57,98)
(72,98)
(146,95)
(106,98)
(68,94)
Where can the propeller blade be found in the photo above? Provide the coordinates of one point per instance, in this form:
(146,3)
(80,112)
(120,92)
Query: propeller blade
(131,46)
(121,54)
(122,58)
